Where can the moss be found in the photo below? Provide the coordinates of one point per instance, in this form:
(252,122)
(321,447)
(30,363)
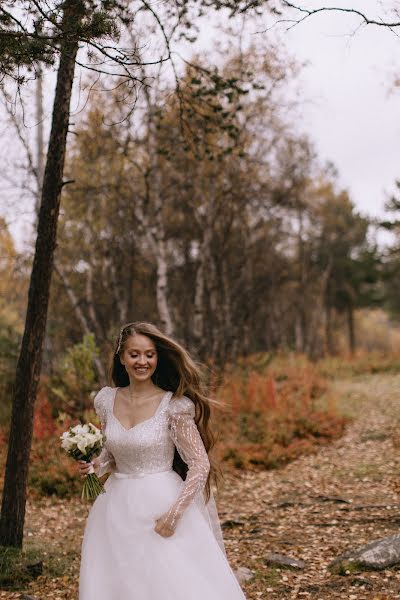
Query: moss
(345,567)
(269,578)
(19,567)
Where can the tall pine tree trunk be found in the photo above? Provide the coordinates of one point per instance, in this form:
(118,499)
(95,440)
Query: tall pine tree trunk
(30,358)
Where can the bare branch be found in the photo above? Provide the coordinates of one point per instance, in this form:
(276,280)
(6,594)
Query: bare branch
(306,13)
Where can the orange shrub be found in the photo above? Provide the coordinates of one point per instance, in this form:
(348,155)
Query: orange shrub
(271,417)
(44,425)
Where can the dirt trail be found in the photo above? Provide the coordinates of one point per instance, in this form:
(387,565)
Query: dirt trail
(319,506)
(313,509)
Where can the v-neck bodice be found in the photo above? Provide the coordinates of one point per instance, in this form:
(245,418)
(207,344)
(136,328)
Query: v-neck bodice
(166,396)
(146,447)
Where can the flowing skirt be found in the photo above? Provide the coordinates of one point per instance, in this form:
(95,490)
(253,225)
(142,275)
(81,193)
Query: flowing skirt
(123,558)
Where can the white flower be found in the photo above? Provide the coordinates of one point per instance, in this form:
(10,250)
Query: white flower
(67,443)
(81,442)
(91,440)
(78,429)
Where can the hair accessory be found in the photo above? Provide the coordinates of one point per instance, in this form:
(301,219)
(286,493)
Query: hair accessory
(119,341)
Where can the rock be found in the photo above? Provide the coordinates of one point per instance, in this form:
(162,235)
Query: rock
(284,561)
(375,556)
(243,574)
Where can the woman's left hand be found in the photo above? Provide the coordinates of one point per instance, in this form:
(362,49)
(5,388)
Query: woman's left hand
(163,528)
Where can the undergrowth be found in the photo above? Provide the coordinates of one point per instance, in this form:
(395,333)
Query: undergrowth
(274,408)
(19,567)
(275,412)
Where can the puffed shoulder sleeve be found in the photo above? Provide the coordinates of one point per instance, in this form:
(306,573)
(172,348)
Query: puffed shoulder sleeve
(181,407)
(105,461)
(188,442)
(100,405)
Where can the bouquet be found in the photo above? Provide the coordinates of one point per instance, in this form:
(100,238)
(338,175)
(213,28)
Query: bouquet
(83,442)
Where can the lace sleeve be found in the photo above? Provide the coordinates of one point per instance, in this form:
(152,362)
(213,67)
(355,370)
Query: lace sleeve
(189,444)
(105,461)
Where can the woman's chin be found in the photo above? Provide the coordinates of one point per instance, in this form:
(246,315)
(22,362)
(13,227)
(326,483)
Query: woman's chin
(141,376)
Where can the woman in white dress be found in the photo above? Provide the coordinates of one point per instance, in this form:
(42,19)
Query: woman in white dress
(155,533)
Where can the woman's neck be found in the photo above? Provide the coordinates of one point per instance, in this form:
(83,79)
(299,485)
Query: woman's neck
(140,389)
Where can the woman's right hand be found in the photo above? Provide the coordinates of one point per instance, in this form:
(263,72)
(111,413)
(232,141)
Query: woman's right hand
(85,468)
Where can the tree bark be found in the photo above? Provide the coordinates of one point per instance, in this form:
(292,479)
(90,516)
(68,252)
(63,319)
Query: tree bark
(30,358)
(199,304)
(350,325)
(328,329)
(39,137)
(158,231)
(162,286)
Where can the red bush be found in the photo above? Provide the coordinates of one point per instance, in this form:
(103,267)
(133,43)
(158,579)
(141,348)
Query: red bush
(275,416)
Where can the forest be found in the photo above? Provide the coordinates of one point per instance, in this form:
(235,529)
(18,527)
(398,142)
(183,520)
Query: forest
(182,189)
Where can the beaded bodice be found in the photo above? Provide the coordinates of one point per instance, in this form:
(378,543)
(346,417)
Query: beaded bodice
(145,448)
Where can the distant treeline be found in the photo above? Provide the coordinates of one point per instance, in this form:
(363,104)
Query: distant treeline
(209,214)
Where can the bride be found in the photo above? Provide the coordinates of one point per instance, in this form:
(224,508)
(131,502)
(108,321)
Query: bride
(155,533)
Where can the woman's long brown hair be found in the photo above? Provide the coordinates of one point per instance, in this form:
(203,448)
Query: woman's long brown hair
(176,371)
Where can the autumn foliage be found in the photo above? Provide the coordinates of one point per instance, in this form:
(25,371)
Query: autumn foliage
(272,417)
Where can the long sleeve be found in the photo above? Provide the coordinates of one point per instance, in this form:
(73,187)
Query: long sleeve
(105,460)
(189,444)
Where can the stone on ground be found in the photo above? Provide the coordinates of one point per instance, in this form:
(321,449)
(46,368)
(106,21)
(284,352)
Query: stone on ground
(284,561)
(243,574)
(375,556)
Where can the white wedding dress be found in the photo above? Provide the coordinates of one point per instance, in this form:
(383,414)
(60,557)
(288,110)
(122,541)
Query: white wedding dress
(123,558)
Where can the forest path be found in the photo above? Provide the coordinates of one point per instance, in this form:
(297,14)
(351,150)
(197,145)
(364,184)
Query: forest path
(322,505)
(313,509)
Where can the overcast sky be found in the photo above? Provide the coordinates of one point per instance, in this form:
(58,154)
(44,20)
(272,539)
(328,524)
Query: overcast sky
(351,108)
(355,116)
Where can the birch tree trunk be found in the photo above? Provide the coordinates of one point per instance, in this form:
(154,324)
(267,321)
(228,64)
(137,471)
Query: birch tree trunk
(199,300)
(156,230)
(162,287)
(30,358)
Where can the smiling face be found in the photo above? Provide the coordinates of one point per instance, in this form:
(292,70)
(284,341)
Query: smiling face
(139,357)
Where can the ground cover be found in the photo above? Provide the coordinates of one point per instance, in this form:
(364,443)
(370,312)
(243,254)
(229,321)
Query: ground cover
(315,507)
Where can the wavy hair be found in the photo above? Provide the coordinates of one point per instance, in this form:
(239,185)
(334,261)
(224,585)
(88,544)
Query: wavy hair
(177,372)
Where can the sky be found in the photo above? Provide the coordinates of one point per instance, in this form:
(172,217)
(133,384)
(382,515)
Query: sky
(351,107)
(354,117)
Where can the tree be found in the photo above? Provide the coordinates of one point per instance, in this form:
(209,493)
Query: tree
(30,33)
(211,186)
(29,361)
(391,256)
(343,244)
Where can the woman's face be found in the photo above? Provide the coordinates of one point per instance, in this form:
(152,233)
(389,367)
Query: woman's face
(139,357)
